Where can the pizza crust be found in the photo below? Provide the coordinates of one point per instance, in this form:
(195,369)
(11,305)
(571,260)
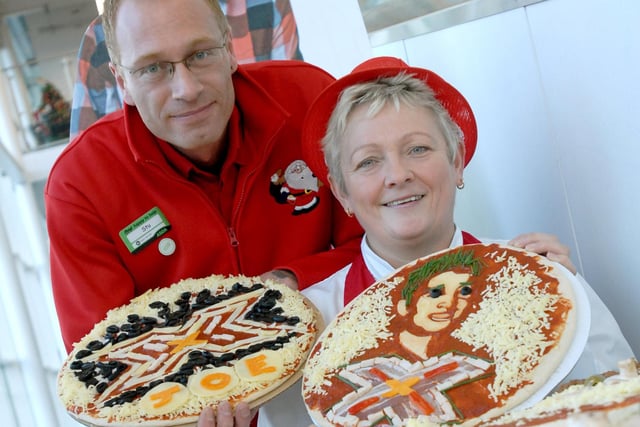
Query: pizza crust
(191,326)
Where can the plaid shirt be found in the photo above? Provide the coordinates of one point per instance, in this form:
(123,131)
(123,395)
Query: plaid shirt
(260,30)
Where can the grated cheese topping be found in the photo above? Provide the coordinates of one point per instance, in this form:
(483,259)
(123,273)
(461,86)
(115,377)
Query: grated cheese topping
(370,318)
(513,305)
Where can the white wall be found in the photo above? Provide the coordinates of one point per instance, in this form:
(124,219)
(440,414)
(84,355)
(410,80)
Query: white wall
(589,62)
(332,34)
(555,90)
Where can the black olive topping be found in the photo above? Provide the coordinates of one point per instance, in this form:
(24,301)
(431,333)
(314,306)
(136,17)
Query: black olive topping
(100,374)
(101,387)
(81,354)
(113,329)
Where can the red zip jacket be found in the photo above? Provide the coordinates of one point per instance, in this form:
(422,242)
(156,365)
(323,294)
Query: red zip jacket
(270,212)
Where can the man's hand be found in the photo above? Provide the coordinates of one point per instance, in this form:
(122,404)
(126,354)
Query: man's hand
(282,276)
(224,416)
(547,245)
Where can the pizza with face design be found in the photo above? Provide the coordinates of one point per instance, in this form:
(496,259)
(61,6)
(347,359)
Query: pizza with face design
(159,360)
(453,338)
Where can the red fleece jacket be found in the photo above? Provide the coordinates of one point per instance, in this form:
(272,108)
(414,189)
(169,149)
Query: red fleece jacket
(258,220)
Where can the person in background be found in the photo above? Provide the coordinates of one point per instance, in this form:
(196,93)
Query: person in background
(396,140)
(95,91)
(52,115)
(260,31)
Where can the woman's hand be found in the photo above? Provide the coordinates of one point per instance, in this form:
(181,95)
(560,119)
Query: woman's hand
(547,245)
(225,416)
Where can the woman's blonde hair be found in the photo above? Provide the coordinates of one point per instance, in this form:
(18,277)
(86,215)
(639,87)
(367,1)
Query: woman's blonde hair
(402,89)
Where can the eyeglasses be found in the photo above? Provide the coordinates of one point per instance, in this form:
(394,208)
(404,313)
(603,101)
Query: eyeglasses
(160,71)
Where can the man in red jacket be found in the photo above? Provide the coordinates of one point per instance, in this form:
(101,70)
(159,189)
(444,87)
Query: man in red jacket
(186,180)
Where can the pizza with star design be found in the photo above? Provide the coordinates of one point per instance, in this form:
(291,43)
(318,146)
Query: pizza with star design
(159,360)
(451,339)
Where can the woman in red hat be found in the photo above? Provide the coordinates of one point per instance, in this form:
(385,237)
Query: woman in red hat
(393,142)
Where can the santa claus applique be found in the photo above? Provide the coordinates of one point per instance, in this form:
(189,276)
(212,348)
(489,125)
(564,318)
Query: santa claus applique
(298,186)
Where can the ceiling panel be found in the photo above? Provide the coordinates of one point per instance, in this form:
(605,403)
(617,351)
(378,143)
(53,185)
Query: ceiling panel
(47,18)
(392,20)
(8,7)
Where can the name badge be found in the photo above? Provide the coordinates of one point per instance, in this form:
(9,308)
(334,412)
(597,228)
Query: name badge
(144,230)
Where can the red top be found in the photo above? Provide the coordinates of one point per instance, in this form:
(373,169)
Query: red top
(246,221)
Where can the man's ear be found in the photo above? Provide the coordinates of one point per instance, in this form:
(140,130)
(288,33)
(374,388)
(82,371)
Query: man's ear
(233,60)
(126,96)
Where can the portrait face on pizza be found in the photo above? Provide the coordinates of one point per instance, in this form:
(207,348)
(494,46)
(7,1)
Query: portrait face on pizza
(445,299)
(438,303)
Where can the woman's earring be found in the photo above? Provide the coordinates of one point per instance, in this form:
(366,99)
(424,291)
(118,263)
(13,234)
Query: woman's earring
(461,185)
(348,212)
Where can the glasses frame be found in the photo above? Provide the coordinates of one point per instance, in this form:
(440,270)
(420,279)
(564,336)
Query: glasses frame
(170,66)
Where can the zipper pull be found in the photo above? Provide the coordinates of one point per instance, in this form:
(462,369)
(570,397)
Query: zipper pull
(232,237)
